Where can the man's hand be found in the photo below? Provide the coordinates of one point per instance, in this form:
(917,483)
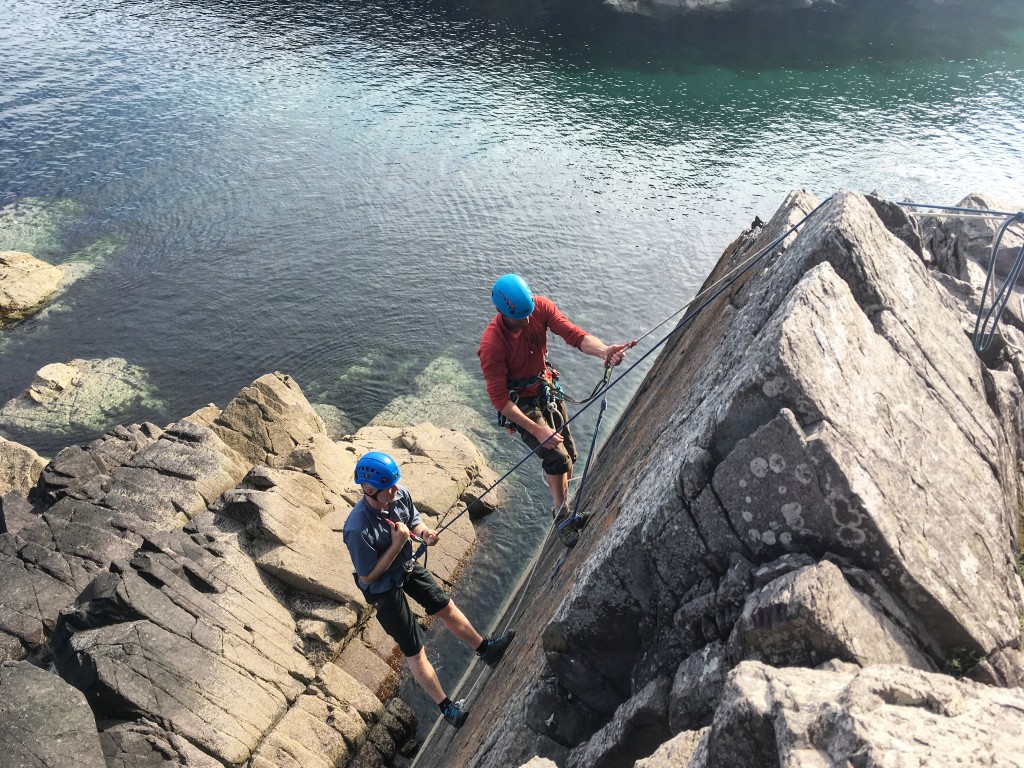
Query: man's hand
(430,537)
(400,532)
(544,433)
(615,354)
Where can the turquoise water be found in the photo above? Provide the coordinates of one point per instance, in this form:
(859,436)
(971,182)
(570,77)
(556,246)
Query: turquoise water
(329,188)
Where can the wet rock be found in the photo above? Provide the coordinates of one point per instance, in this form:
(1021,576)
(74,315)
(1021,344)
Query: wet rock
(25,285)
(44,721)
(79,394)
(772,716)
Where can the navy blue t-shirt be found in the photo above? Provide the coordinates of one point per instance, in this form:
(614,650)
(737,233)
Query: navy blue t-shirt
(367,537)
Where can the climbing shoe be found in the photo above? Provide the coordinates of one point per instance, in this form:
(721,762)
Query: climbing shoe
(454,714)
(567,525)
(496,648)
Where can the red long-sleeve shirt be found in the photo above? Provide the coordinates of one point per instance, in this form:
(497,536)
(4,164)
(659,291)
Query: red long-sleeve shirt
(505,355)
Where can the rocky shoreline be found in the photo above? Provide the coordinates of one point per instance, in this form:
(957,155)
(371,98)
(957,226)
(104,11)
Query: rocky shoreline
(189,588)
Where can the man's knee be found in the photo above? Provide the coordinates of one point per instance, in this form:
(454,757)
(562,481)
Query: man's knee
(556,463)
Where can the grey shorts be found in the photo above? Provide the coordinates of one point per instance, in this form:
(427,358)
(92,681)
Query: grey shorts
(556,460)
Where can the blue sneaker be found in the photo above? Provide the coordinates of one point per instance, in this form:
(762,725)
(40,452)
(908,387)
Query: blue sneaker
(454,714)
(496,648)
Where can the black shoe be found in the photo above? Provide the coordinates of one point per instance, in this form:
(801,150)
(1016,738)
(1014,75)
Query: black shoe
(496,648)
(454,714)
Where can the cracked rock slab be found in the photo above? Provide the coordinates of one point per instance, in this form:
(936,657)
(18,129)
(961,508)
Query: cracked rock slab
(44,722)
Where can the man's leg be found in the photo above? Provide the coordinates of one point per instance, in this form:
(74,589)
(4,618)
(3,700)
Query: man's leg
(424,674)
(459,625)
(559,487)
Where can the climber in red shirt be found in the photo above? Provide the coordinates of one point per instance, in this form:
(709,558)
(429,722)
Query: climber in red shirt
(513,358)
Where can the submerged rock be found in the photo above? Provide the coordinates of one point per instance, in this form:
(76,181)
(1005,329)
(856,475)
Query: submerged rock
(79,394)
(26,283)
(443,394)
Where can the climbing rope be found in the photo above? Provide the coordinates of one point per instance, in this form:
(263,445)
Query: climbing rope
(985,326)
(988,319)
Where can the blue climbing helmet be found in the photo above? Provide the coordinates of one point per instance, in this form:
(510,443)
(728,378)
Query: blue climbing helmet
(378,469)
(511,296)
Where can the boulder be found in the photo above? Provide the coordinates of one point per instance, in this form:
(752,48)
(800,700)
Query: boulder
(697,687)
(25,285)
(883,715)
(812,615)
(20,467)
(683,749)
(16,512)
(44,721)
(189,635)
(956,241)
(79,395)
(268,419)
(637,729)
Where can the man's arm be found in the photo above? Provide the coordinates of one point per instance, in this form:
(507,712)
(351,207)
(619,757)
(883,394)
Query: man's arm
(612,354)
(399,535)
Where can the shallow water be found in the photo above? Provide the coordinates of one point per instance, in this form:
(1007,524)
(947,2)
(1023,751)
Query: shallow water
(329,188)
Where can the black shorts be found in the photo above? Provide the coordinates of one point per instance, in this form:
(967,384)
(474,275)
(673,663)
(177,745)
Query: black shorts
(556,460)
(395,615)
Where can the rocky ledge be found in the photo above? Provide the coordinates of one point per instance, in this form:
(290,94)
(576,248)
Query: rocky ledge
(804,542)
(190,589)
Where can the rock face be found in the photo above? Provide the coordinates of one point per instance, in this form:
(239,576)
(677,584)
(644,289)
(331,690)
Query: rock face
(79,394)
(193,584)
(25,285)
(818,468)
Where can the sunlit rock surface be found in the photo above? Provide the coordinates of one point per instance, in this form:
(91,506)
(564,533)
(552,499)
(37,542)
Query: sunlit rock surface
(192,582)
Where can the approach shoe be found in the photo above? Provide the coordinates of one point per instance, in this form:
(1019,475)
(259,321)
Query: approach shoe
(455,714)
(569,535)
(496,648)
